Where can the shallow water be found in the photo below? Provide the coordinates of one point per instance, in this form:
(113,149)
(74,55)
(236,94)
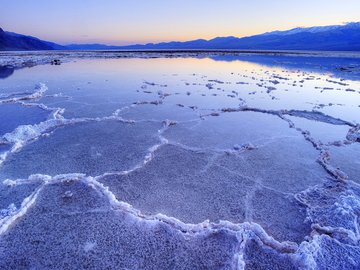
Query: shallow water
(181,163)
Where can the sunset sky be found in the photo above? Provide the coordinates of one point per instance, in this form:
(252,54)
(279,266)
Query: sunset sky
(121,22)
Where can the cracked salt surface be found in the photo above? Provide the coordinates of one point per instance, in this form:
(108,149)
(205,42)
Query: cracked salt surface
(181,163)
(92,148)
(120,238)
(320,130)
(347,158)
(168,185)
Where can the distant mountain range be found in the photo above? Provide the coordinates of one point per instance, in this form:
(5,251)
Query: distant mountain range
(15,42)
(326,38)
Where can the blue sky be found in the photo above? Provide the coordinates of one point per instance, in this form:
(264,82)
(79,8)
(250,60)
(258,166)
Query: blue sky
(140,21)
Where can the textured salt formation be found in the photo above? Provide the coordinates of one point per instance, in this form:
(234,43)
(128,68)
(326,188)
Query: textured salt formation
(159,113)
(208,191)
(320,130)
(117,238)
(229,129)
(12,194)
(27,100)
(92,148)
(354,134)
(347,158)
(156,170)
(17,115)
(227,185)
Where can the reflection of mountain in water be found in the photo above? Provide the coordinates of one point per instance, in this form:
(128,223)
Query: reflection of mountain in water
(344,66)
(6,71)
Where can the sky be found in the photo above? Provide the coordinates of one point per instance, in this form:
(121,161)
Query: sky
(121,22)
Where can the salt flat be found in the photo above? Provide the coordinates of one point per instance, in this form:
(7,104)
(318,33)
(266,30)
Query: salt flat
(179,160)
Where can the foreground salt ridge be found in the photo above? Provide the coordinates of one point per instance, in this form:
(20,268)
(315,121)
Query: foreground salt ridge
(301,255)
(39,92)
(243,231)
(22,136)
(7,221)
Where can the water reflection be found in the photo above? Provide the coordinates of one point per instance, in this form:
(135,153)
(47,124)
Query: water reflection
(98,87)
(339,64)
(6,71)
(348,67)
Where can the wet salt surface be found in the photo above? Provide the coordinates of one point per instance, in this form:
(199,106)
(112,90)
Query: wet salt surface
(348,159)
(15,115)
(92,148)
(246,162)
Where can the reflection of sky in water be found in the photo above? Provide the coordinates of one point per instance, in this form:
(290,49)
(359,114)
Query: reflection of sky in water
(88,85)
